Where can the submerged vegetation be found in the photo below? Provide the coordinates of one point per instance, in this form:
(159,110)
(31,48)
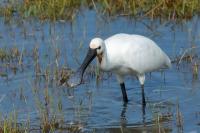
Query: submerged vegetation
(68,9)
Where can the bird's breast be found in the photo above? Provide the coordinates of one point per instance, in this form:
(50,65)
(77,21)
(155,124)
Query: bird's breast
(124,71)
(99,57)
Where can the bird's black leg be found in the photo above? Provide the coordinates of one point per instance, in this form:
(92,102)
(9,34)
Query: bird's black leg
(143,96)
(122,85)
(123,115)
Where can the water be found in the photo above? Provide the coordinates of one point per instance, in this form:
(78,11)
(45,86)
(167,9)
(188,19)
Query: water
(99,108)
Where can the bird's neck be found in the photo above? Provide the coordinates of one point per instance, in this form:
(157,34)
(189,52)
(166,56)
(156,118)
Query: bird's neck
(100,57)
(102,60)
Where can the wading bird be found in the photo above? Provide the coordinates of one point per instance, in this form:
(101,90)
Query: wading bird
(124,54)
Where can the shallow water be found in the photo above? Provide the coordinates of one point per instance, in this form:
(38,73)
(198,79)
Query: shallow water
(99,107)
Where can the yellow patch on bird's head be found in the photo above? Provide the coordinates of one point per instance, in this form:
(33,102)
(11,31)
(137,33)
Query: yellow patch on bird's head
(99,57)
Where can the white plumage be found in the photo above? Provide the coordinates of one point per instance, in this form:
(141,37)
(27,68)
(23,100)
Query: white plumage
(132,55)
(125,54)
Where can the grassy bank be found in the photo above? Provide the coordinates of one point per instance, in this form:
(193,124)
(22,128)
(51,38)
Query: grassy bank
(68,9)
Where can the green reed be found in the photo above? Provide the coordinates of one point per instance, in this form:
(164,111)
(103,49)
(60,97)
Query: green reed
(68,9)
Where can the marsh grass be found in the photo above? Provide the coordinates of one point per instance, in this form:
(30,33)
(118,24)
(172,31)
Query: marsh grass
(68,9)
(179,119)
(160,120)
(49,119)
(9,124)
(193,62)
(11,60)
(48,107)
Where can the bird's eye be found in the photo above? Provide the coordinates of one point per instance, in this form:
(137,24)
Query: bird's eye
(99,47)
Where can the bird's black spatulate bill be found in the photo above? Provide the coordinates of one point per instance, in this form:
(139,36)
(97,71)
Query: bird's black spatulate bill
(77,77)
(91,54)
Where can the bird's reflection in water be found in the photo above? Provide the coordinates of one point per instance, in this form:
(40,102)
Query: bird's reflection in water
(123,115)
(143,113)
(144,126)
(123,121)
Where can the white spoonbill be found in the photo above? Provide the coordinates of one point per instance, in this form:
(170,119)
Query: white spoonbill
(124,54)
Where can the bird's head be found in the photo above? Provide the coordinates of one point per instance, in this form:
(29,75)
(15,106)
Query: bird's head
(96,49)
(97,44)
